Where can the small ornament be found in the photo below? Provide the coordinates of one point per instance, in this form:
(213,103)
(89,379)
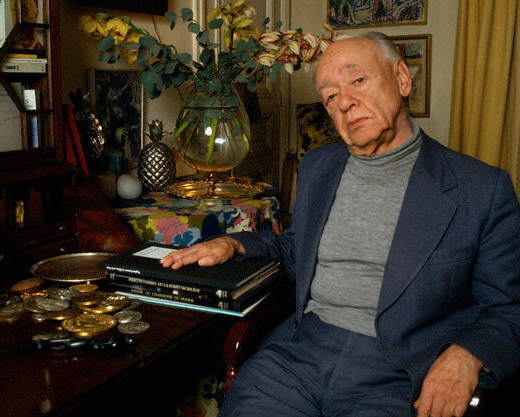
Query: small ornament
(128,187)
(156,167)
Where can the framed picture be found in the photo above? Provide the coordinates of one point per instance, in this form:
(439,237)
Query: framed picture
(157,7)
(352,14)
(416,51)
(117,99)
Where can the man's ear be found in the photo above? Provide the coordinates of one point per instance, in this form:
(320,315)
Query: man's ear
(402,74)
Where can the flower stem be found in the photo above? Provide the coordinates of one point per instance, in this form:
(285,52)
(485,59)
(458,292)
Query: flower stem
(211,144)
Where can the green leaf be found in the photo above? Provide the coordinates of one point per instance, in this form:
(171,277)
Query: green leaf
(251,86)
(273,76)
(170,67)
(115,56)
(216,23)
(194,27)
(184,58)
(152,83)
(178,78)
(170,16)
(157,67)
(266,21)
(131,46)
(205,56)
(187,14)
(214,85)
(203,37)
(106,44)
(155,49)
(104,56)
(278,25)
(277,66)
(147,41)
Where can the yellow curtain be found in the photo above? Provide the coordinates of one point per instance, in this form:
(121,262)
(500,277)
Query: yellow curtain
(485,108)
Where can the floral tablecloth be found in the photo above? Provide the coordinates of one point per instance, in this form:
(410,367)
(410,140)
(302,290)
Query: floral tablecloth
(161,218)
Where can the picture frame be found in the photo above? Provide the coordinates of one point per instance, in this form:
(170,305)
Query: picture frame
(155,7)
(353,14)
(416,51)
(116,96)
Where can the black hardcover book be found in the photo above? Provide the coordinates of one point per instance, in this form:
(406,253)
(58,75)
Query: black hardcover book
(144,262)
(157,292)
(190,290)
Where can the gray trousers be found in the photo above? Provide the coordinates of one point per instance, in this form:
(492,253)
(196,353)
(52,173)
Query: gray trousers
(318,370)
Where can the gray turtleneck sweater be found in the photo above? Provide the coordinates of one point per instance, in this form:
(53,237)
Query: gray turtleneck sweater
(356,240)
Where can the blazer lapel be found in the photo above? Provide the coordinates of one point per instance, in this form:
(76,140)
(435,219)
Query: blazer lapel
(425,214)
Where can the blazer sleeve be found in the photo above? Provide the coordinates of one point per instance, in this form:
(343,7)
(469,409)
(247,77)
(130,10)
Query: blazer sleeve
(279,247)
(494,337)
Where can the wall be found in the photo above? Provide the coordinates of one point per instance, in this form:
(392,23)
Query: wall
(79,55)
(442,24)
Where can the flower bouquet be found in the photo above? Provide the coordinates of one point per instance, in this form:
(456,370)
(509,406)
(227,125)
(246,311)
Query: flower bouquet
(212,127)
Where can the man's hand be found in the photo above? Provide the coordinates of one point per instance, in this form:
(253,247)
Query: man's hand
(212,252)
(449,384)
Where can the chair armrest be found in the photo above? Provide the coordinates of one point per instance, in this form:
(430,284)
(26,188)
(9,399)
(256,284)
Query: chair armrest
(243,337)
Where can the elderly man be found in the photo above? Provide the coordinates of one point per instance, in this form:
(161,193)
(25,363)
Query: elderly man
(406,257)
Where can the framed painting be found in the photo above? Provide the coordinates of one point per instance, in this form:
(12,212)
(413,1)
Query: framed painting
(416,51)
(352,14)
(117,99)
(157,7)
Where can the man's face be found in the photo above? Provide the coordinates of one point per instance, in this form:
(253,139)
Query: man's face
(362,92)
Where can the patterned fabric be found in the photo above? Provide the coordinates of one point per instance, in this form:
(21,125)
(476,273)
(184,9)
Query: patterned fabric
(161,218)
(315,127)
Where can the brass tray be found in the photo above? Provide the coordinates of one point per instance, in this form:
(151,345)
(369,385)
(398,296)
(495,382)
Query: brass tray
(200,187)
(74,267)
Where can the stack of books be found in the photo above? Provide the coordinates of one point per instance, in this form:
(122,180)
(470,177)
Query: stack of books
(233,288)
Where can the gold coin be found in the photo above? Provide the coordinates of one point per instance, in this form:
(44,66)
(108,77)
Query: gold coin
(89,298)
(27,285)
(89,324)
(69,313)
(95,308)
(84,287)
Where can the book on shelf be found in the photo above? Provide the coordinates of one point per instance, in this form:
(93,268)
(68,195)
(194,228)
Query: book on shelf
(24,65)
(229,276)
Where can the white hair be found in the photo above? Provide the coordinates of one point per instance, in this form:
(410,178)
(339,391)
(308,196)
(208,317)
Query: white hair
(385,44)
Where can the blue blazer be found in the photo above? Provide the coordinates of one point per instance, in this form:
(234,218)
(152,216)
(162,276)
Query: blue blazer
(453,271)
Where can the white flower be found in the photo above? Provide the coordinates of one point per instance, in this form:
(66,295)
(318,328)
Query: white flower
(266,59)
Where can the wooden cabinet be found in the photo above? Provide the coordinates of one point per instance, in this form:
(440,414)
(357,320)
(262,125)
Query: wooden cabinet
(43,199)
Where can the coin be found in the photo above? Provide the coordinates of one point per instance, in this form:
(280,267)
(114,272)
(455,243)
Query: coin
(133,327)
(51,335)
(110,304)
(39,316)
(127,316)
(29,303)
(89,324)
(50,304)
(62,293)
(89,298)
(84,287)
(27,285)
(68,313)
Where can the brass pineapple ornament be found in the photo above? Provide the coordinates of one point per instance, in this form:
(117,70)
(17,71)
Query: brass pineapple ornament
(156,165)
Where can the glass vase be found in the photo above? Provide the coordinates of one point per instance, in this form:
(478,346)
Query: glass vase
(213,133)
